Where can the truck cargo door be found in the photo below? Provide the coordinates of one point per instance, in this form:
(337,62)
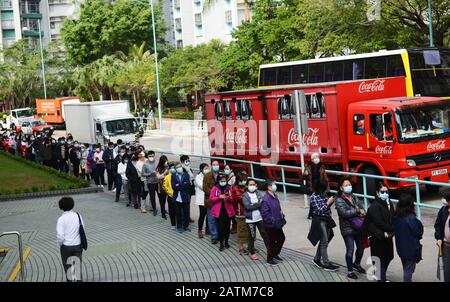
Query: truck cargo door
(98,132)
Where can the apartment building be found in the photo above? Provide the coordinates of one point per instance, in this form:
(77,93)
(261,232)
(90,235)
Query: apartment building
(196,21)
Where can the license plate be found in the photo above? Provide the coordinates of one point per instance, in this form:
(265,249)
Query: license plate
(438,172)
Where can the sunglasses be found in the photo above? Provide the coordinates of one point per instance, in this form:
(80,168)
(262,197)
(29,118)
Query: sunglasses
(384,191)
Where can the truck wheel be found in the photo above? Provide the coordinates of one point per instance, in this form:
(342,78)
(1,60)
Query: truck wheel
(370,182)
(432,189)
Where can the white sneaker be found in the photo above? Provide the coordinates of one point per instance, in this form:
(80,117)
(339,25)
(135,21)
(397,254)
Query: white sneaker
(114,190)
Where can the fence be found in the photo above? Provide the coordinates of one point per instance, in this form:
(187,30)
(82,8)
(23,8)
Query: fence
(284,184)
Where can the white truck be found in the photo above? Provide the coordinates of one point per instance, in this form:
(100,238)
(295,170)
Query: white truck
(101,122)
(16,117)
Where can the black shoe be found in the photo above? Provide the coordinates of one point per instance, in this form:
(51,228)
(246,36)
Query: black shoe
(164,217)
(191,220)
(359,268)
(117,200)
(317,263)
(227,246)
(155,212)
(330,267)
(277,258)
(352,275)
(136,206)
(128,204)
(271,262)
(221,248)
(214,242)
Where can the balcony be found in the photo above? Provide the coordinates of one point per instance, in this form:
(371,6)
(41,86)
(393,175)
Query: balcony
(228,16)
(198,19)
(32,33)
(178,24)
(51,2)
(8,42)
(8,24)
(32,15)
(176,4)
(6,4)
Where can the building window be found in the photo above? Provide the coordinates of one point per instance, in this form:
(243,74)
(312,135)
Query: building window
(52,25)
(178,24)
(228,16)
(179,43)
(198,19)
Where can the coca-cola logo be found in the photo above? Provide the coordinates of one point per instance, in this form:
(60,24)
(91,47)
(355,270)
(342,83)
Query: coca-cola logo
(377,85)
(383,150)
(439,145)
(238,137)
(309,139)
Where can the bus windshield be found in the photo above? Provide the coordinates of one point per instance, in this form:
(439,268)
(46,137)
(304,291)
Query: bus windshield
(430,71)
(424,123)
(124,126)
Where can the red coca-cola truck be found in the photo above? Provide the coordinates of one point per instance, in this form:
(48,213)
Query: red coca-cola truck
(365,126)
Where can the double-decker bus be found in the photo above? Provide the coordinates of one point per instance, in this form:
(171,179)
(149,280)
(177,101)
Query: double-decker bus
(426,70)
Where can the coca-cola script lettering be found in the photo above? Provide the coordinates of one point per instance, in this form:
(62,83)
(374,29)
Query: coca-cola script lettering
(309,139)
(383,150)
(439,145)
(238,137)
(377,85)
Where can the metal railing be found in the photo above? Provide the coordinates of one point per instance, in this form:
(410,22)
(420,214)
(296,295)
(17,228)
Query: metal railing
(285,184)
(19,241)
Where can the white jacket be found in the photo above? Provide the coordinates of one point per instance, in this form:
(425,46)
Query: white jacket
(121,170)
(199,194)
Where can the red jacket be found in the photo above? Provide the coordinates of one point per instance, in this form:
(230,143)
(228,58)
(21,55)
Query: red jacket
(236,194)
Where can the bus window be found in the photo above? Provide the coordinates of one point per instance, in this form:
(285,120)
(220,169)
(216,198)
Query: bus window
(358,124)
(395,66)
(228,111)
(269,76)
(285,108)
(375,68)
(219,112)
(284,75)
(357,70)
(316,73)
(299,74)
(334,72)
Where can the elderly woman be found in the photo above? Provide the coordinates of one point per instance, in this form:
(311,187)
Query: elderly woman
(314,172)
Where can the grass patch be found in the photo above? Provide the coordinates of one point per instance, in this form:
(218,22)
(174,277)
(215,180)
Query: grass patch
(21,176)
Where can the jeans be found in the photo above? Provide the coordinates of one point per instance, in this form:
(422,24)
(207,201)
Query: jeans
(446,261)
(63,166)
(162,197)
(118,185)
(100,174)
(202,217)
(322,248)
(350,241)
(252,235)
(152,188)
(111,176)
(144,193)
(182,209)
(409,266)
(212,225)
(68,252)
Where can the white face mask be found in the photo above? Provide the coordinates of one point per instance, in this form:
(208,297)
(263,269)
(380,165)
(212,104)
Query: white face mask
(316,160)
(251,188)
(151,159)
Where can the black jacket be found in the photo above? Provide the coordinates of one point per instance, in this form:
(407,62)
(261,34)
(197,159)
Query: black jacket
(134,182)
(347,212)
(439,225)
(315,232)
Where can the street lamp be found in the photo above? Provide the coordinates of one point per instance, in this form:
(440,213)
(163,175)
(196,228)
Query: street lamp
(42,56)
(430,17)
(156,67)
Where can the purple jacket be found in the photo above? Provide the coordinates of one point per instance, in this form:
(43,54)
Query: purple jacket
(270,210)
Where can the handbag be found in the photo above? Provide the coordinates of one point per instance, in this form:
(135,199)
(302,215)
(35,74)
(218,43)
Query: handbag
(84,243)
(279,223)
(357,223)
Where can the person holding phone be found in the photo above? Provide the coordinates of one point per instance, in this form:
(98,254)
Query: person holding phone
(222,209)
(322,224)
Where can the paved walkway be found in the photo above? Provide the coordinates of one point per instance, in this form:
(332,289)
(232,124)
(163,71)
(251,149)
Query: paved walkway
(125,245)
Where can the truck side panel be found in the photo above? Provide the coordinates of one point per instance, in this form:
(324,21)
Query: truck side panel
(80,123)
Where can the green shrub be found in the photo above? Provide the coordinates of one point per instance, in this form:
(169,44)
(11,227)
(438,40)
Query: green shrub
(35,189)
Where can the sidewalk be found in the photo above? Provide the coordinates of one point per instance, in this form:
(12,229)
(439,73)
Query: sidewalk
(175,127)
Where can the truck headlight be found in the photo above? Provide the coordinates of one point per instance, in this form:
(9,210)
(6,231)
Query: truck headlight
(411,162)
(414,177)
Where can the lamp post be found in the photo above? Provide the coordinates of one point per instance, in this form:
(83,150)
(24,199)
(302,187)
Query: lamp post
(42,56)
(430,25)
(156,67)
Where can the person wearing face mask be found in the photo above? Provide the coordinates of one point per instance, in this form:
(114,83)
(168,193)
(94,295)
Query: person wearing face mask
(251,201)
(408,232)
(379,226)
(351,212)
(237,192)
(231,179)
(118,179)
(314,172)
(121,172)
(108,158)
(442,233)
(139,164)
(186,163)
(134,182)
(209,182)
(167,187)
(91,167)
(273,222)
(62,155)
(75,158)
(181,185)
(162,170)
(149,172)
(222,209)
(200,197)
(99,167)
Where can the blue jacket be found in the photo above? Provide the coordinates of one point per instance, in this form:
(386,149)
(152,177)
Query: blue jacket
(181,187)
(270,210)
(408,232)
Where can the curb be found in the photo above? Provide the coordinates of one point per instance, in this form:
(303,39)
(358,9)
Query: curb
(50,193)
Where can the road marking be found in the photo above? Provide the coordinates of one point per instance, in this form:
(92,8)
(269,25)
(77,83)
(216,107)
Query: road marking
(16,270)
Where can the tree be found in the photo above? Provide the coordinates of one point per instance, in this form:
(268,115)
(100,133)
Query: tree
(105,27)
